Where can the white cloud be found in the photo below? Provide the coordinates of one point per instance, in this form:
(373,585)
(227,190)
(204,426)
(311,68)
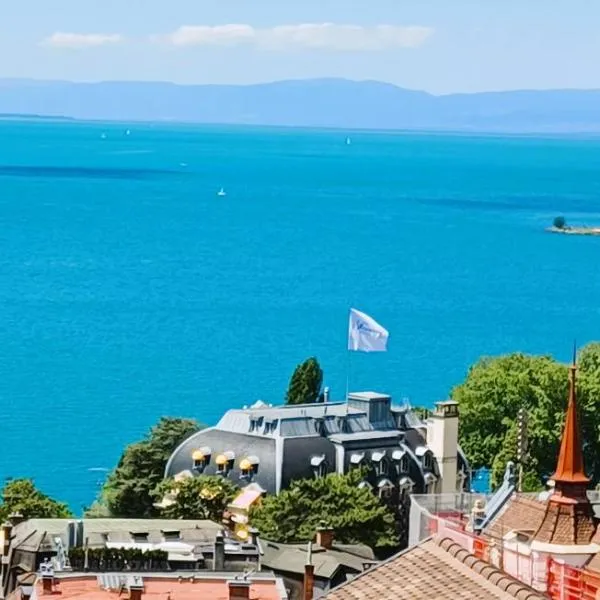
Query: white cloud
(81,40)
(221,35)
(320,36)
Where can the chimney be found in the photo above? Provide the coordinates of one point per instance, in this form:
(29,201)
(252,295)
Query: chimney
(6,533)
(442,439)
(47,573)
(219,556)
(253,533)
(325,536)
(79,534)
(136,588)
(309,575)
(326,394)
(239,589)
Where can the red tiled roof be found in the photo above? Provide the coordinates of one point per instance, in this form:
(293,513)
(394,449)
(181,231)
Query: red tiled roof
(434,570)
(522,513)
(87,588)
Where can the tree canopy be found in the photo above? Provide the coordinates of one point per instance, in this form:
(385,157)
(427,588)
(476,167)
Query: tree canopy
(203,497)
(355,514)
(495,389)
(21,496)
(305,383)
(130,490)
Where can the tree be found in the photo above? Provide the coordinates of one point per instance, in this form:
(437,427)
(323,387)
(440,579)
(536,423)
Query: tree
(559,222)
(495,389)
(305,384)
(354,513)
(130,489)
(203,497)
(21,496)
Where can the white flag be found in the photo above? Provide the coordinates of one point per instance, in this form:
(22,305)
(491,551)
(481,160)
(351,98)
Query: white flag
(366,334)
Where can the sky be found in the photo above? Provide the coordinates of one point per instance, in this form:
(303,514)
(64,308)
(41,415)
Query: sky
(441,46)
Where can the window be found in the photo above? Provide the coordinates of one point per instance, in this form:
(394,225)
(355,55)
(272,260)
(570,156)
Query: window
(405,485)
(140,537)
(404,464)
(171,536)
(224,463)
(386,489)
(379,461)
(356,459)
(427,460)
(319,465)
(201,458)
(248,467)
(430,481)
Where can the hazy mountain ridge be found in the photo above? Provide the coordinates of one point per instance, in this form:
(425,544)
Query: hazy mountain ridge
(312,103)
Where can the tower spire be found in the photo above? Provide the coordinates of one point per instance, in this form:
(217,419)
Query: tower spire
(570,468)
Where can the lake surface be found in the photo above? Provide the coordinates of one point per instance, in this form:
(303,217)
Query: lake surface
(129,290)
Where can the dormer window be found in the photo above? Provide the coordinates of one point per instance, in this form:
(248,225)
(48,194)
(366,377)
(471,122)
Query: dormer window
(400,457)
(356,459)
(430,481)
(248,467)
(385,489)
(172,535)
(319,465)
(379,462)
(426,457)
(405,485)
(224,463)
(201,458)
(427,461)
(140,537)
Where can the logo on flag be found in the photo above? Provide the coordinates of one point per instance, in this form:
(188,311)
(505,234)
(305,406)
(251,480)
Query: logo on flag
(365,334)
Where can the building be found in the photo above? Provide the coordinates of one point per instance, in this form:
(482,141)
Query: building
(332,563)
(272,446)
(164,552)
(154,586)
(435,569)
(98,545)
(549,541)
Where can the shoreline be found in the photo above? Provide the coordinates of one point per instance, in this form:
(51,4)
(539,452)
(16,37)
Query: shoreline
(574,230)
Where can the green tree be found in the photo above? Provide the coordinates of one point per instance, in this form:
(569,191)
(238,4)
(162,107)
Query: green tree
(305,383)
(495,389)
(21,496)
(130,489)
(203,497)
(353,512)
(559,222)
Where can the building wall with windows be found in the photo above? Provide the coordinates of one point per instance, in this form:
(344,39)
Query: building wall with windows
(271,446)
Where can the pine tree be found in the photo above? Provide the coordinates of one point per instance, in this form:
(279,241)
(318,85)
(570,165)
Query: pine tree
(305,384)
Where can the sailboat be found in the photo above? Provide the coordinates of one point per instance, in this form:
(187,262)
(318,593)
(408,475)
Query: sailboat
(221,192)
(348,141)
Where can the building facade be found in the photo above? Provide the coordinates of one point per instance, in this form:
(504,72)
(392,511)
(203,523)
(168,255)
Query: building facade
(270,447)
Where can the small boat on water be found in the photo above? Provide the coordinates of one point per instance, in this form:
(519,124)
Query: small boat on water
(348,141)
(221,192)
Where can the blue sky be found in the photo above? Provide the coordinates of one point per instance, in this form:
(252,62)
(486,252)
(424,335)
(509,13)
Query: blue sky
(437,45)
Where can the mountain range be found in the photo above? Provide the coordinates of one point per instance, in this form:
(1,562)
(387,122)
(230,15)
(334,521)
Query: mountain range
(335,103)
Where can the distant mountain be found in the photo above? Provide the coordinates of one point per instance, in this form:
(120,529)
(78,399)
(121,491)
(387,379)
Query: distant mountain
(334,103)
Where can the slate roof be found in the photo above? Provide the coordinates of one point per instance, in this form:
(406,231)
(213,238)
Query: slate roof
(291,558)
(436,569)
(37,535)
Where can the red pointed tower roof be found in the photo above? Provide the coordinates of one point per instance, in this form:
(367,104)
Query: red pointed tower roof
(569,468)
(569,519)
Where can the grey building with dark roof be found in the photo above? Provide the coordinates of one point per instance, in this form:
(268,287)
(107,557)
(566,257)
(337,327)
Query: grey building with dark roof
(271,446)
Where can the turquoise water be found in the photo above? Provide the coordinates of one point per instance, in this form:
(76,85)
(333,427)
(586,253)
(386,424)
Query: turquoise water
(128,290)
